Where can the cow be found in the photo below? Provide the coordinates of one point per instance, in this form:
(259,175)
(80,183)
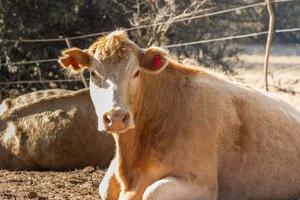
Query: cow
(52,130)
(182,132)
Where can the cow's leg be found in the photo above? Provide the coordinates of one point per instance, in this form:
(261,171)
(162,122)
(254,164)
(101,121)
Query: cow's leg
(171,188)
(109,188)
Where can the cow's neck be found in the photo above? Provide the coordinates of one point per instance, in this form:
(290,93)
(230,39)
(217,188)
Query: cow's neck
(125,146)
(162,101)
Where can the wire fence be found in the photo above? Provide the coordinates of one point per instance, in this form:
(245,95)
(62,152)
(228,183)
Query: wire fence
(62,39)
(40,81)
(231,37)
(67,40)
(177,45)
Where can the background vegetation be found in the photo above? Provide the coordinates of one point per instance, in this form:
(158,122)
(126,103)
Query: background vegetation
(25,19)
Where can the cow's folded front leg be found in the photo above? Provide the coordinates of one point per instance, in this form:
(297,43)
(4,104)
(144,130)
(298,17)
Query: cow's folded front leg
(171,188)
(109,188)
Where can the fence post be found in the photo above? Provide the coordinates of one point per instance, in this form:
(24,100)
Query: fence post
(269,41)
(69,44)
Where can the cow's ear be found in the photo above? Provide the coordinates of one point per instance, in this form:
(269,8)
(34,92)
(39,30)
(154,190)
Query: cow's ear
(153,59)
(75,59)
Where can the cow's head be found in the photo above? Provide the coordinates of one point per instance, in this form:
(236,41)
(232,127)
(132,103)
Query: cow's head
(115,65)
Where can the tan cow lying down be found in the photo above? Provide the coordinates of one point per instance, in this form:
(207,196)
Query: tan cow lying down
(52,129)
(182,133)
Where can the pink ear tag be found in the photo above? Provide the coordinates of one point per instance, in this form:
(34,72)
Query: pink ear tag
(157,61)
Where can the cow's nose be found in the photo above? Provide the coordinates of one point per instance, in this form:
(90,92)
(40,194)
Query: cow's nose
(116,120)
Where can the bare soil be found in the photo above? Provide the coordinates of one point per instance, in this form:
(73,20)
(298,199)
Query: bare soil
(284,81)
(70,185)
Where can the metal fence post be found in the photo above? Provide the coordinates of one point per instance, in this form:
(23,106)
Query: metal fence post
(269,41)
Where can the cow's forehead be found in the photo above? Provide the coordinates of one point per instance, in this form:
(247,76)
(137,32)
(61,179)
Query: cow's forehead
(112,48)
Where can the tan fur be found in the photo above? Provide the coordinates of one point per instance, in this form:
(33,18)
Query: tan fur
(231,141)
(112,48)
(237,142)
(52,129)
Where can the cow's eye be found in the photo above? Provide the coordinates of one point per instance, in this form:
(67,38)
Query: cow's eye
(136,74)
(93,74)
(96,77)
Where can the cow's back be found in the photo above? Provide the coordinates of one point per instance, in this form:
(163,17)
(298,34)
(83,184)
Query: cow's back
(262,159)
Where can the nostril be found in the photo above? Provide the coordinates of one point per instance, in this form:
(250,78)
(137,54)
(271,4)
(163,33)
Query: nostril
(106,120)
(125,118)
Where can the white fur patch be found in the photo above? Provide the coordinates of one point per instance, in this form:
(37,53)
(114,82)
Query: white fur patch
(10,131)
(171,188)
(102,99)
(3,108)
(105,183)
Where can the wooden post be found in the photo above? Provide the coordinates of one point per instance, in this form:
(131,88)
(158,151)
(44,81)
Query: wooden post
(69,44)
(269,41)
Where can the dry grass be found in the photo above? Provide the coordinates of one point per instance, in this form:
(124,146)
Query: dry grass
(284,76)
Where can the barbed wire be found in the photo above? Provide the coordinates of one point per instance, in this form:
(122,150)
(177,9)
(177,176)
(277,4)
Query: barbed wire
(177,45)
(62,39)
(287,69)
(142,27)
(32,62)
(230,38)
(40,81)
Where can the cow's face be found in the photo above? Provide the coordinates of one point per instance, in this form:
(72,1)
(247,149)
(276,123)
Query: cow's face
(113,88)
(115,79)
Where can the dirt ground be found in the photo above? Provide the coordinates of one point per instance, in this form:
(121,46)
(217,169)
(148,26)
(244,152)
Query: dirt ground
(83,184)
(71,185)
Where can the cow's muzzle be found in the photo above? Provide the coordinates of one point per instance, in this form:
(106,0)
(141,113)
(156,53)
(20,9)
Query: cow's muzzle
(116,120)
